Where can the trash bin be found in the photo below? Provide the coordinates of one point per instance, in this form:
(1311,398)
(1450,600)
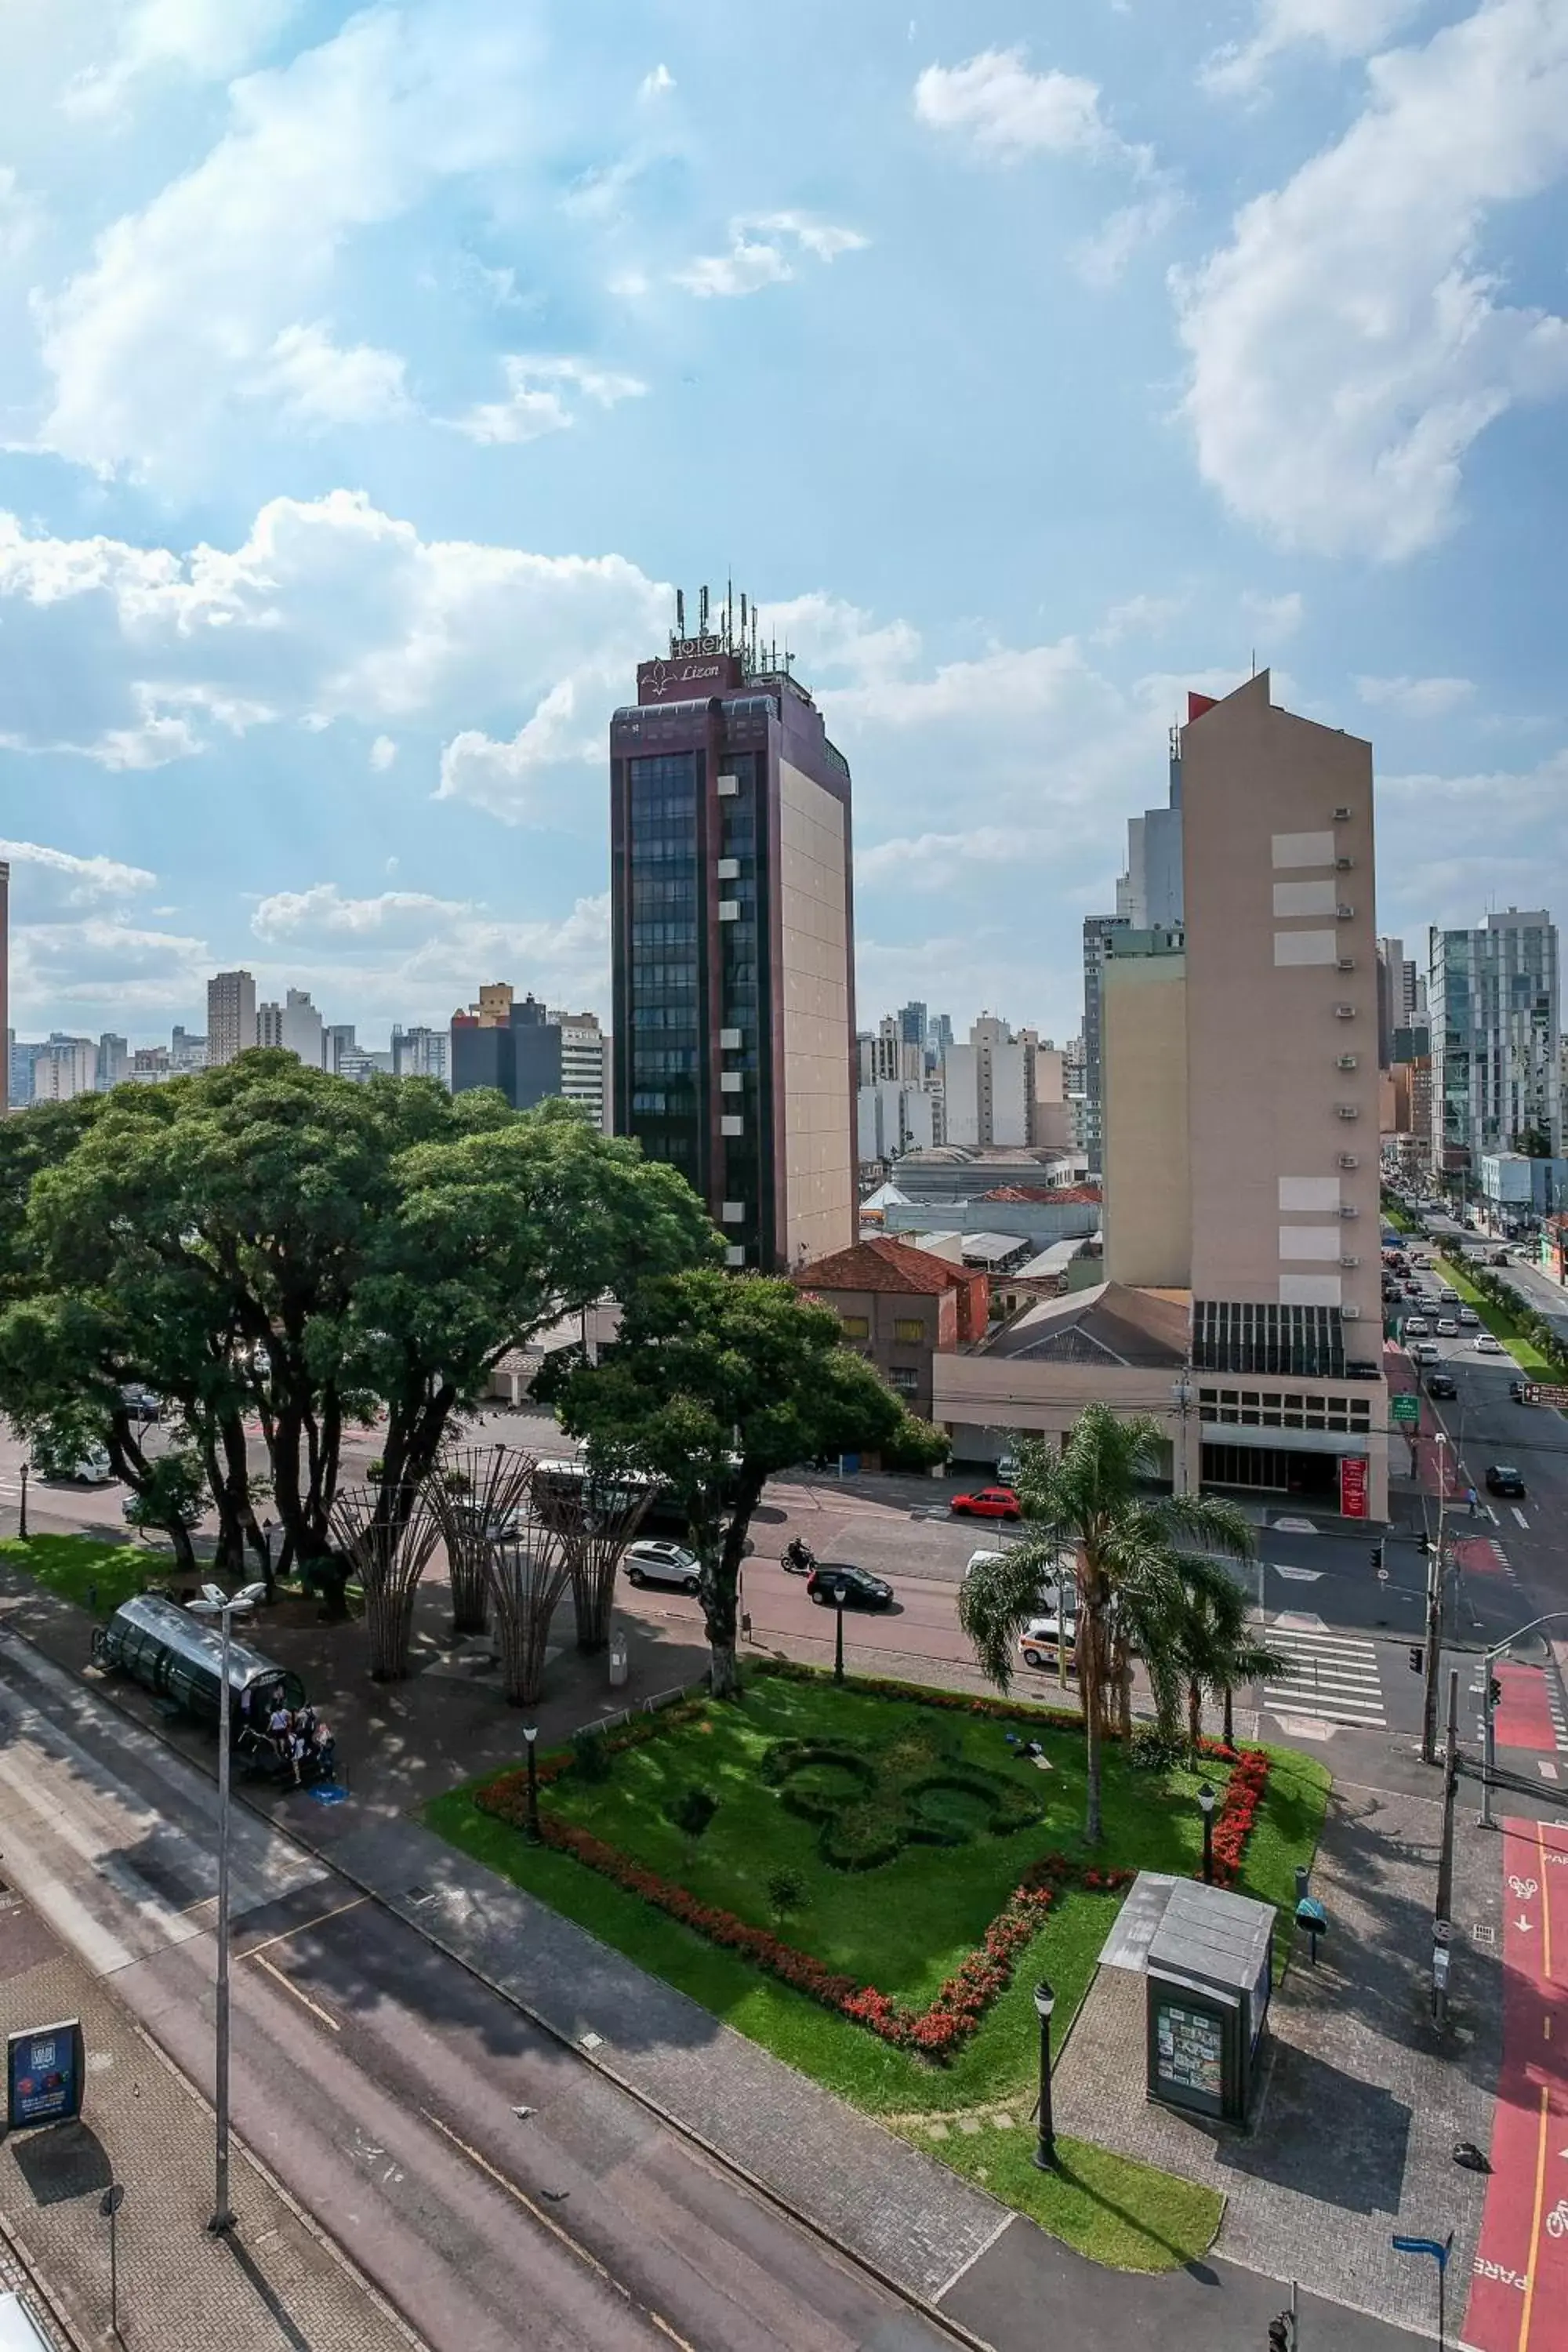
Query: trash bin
(618,1665)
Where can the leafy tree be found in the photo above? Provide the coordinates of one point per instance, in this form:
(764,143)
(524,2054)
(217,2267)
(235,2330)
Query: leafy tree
(715,1382)
(174,1498)
(1132,1565)
(1214,1647)
(268,1240)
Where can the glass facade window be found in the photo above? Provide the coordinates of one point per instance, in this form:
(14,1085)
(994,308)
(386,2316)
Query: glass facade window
(664,967)
(1244,1335)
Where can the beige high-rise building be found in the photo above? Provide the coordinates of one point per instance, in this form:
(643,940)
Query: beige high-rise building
(231,1016)
(1282,1103)
(1148,1197)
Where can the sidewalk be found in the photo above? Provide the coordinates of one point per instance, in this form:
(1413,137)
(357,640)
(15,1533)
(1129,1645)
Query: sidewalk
(276,2282)
(1363,2102)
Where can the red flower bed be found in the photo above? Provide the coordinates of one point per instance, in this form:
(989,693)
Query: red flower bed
(955,2013)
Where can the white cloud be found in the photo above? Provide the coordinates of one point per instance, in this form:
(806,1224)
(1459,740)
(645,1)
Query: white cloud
(405,955)
(183,302)
(1278,617)
(1007,112)
(44,879)
(18,216)
(330,609)
(538,398)
(207,39)
(382,752)
(1347,346)
(1416,698)
(102,965)
(1102,259)
(763,249)
(655,84)
(317,384)
(512,780)
(1345,28)
(1139,615)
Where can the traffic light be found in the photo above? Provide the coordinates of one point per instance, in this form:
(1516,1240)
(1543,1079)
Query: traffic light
(1417,1660)
(1377,1555)
(1494,1693)
(1282,2333)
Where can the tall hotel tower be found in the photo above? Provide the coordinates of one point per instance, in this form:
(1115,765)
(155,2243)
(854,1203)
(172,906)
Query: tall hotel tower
(733,941)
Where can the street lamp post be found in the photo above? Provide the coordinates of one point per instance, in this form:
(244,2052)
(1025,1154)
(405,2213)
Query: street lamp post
(22,1528)
(224,1607)
(531,1736)
(1205,1807)
(839,1634)
(1045,2143)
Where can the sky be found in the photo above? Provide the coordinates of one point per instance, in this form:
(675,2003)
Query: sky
(370,377)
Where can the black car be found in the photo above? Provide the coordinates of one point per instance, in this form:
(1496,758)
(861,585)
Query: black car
(831,1582)
(1503,1479)
(1441,1384)
(1520,1391)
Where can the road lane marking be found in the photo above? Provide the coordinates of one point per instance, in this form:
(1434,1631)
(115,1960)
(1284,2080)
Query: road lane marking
(1542,1850)
(302,1997)
(286,1935)
(574,2246)
(1534,2226)
(1519,1515)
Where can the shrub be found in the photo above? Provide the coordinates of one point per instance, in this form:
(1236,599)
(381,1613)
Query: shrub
(590,1756)
(864,1836)
(1150,1751)
(692,1811)
(786,1891)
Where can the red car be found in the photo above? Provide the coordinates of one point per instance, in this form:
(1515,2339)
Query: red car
(988,1503)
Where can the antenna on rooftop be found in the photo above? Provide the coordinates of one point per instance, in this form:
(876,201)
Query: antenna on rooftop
(681,611)
(702,623)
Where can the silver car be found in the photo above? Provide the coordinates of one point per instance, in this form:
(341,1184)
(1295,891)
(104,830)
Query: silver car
(669,1564)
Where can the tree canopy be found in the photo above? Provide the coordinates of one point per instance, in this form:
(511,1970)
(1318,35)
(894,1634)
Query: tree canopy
(716,1382)
(267,1239)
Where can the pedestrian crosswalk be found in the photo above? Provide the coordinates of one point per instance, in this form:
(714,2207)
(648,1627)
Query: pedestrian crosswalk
(1331,1676)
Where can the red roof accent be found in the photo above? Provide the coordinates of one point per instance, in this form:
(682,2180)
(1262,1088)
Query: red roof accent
(1078,1194)
(884,1263)
(1197,704)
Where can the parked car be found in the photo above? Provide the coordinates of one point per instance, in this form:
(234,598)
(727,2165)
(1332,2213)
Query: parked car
(1485,1345)
(658,1562)
(988,1503)
(1469,1317)
(70,1465)
(1007,1470)
(1040,1641)
(1502,1478)
(1442,1384)
(1446,1327)
(835,1580)
(141,1403)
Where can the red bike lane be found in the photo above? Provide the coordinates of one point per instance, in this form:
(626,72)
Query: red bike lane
(1518,2294)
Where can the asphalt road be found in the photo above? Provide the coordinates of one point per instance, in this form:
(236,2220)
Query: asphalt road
(491,2185)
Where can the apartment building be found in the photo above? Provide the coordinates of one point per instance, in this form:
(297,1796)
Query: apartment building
(231,1016)
(1492,995)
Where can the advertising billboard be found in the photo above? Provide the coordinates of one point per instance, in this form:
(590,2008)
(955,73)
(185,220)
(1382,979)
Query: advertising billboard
(45,2066)
(1352,1485)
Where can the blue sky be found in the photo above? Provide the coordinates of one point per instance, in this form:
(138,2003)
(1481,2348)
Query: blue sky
(368,376)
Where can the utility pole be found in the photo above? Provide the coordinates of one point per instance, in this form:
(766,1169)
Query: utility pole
(1443,1907)
(1432,1658)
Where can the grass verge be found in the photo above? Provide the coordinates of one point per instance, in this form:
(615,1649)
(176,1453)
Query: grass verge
(1118,2211)
(1501,1323)
(93,1574)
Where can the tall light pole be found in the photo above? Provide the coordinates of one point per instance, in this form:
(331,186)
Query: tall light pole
(215,1603)
(1045,2154)
(1205,1806)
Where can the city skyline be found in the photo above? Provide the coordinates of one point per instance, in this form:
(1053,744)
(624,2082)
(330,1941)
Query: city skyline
(318,685)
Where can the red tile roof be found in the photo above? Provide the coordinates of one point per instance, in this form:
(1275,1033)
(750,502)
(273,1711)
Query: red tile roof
(883,1264)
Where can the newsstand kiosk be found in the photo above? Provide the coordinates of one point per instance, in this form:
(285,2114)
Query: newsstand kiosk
(1209,1972)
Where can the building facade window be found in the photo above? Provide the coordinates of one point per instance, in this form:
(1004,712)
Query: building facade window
(856,1326)
(909,1330)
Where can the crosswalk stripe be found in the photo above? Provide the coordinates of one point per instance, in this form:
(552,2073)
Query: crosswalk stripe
(1344,1654)
(1331,1710)
(1332,1676)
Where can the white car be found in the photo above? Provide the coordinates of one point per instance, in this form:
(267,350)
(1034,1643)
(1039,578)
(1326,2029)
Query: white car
(1487,1346)
(668,1564)
(1425,1352)
(1039,1643)
(1468,1315)
(1447,1328)
(1417,1328)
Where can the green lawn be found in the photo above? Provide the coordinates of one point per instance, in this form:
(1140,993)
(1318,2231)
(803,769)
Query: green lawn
(903,1927)
(94,1574)
(1114,2210)
(1498,1319)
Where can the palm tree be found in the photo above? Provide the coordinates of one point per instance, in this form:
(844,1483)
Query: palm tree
(1217,1649)
(1133,1562)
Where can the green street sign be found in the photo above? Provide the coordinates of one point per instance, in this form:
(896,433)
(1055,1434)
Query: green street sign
(1405,1407)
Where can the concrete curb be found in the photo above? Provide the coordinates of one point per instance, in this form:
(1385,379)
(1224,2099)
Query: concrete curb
(952,2329)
